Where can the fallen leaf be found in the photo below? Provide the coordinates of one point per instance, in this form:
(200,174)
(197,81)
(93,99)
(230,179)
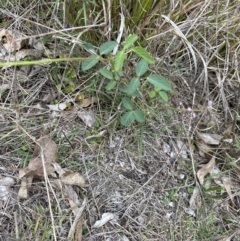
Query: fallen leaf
(87,117)
(105,218)
(36,54)
(36,44)
(205,170)
(58,169)
(194,200)
(86,102)
(58,107)
(211,139)
(13,41)
(49,153)
(190,212)
(227,185)
(72,178)
(26,184)
(215,174)
(73,198)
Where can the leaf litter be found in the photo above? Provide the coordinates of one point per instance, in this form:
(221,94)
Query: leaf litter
(44,162)
(205,170)
(59,172)
(16,42)
(220,179)
(87,116)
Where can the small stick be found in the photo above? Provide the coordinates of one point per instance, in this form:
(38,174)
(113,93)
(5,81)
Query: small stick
(16,225)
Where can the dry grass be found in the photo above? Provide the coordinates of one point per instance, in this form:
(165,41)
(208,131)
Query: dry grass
(139,174)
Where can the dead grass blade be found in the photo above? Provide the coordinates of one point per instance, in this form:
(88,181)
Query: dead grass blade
(78,221)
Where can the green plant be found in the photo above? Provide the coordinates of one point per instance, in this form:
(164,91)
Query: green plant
(129,88)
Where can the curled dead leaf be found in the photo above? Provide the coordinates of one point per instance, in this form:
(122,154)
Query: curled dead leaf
(87,102)
(106,217)
(13,41)
(72,178)
(205,170)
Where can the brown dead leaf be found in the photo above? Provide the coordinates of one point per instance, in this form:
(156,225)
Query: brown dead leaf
(73,198)
(49,154)
(227,185)
(13,42)
(87,117)
(25,187)
(49,148)
(73,206)
(211,139)
(72,178)
(205,170)
(78,223)
(87,102)
(204,149)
